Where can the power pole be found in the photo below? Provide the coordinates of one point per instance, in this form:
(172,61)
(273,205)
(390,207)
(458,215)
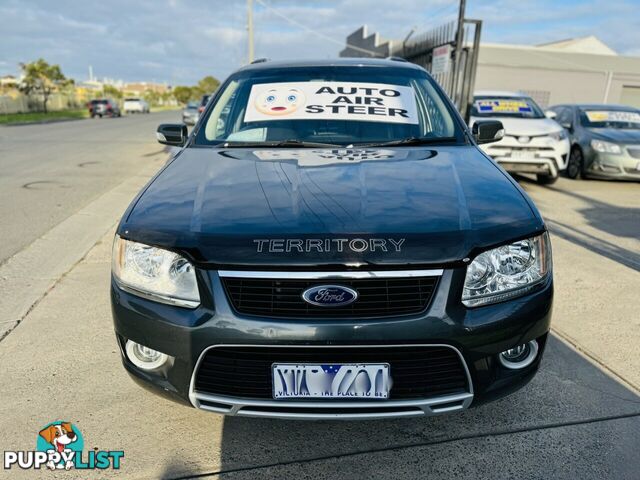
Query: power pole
(250,28)
(406,39)
(458,51)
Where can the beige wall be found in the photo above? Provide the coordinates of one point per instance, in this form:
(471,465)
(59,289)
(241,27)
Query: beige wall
(563,86)
(630,96)
(625,89)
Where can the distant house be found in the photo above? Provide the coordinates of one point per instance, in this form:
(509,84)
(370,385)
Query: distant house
(9,81)
(139,88)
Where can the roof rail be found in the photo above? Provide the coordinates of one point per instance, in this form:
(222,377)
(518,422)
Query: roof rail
(398,59)
(260,60)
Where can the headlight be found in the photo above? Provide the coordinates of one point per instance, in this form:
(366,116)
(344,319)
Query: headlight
(605,147)
(507,272)
(559,135)
(154,273)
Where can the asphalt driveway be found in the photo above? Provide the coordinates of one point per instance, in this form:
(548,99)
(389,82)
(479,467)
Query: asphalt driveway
(578,418)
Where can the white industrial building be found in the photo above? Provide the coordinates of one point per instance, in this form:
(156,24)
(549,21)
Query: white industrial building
(579,70)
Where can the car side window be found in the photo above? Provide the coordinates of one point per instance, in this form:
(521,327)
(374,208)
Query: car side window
(217,126)
(565,116)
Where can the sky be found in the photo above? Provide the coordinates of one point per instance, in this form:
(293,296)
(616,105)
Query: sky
(181,41)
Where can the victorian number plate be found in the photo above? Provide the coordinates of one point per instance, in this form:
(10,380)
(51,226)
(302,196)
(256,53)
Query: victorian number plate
(347,380)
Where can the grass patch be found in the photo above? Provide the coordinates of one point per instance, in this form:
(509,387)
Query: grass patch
(35,117)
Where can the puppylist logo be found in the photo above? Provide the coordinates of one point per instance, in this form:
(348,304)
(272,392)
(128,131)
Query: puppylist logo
(60,446)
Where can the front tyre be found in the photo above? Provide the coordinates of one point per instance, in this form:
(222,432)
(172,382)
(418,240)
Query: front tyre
(545,179)
(575,164)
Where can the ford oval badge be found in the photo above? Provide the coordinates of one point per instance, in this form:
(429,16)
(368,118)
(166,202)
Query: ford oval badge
(329,296)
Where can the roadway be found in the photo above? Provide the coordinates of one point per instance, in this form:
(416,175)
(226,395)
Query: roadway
(48,172)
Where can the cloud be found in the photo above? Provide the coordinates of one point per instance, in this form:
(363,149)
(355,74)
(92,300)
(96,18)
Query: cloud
(180,41)
(226,35)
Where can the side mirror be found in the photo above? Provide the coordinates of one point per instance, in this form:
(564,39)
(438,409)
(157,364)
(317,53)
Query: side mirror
(550,114)
(172,134)
(487,131)
(567,126)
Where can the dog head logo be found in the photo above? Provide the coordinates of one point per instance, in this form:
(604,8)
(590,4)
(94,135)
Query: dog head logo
(59,435)
(279,101)
(63,439)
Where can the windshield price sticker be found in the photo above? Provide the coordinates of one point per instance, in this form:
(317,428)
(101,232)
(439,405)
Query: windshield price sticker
(370,102)
(503,106)
(612,116)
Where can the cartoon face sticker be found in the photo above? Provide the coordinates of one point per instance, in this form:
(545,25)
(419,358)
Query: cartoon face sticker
(279,101)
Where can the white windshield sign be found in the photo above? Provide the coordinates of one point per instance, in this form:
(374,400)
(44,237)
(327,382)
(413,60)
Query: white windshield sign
(368,102)
(595,116)
(503,106)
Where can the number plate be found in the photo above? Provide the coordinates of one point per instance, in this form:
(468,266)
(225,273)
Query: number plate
(522,154)
(352,380)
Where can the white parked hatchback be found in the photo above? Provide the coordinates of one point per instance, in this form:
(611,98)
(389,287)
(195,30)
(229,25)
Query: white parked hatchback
(532,142)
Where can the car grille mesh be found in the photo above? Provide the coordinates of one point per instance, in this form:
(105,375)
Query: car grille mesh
(377,297)
(417,372)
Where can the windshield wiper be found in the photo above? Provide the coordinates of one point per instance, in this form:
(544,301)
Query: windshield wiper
(409,141)
(289,143)
(302,143)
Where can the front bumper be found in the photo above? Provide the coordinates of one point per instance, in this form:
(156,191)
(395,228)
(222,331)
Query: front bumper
(477,335)
(539,154)
(624,166)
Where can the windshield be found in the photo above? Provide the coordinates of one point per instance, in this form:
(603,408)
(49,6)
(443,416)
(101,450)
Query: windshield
(131,99)
(624,119)
(328,105)
(514,107)
(193,105)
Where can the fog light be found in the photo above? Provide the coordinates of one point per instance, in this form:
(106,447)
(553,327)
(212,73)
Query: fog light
(519,357)
(144,357)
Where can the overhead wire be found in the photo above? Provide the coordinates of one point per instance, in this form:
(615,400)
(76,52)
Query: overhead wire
(315,32)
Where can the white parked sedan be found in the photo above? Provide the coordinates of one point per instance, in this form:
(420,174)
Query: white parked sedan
(532,142)
(135,105)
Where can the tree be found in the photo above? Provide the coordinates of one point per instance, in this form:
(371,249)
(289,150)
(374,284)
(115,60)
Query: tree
(152,97)
(42,79)
(183,94)
(111,91)
(165,97)
(208,85)
(205,86)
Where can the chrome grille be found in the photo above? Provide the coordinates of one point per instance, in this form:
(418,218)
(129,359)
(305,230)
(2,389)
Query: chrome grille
(377,297)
